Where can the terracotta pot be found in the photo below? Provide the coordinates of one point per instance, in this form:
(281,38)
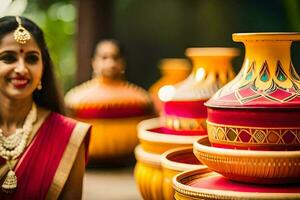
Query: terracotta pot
(114,116)
(148,174)
(173,70)
(175,161)
(260,108)
(198,185)
(184,111)
(263,167)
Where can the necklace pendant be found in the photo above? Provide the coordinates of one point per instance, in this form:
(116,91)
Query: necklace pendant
(10,182)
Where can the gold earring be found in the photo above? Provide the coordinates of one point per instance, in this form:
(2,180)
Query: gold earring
(39,87)
(21,35)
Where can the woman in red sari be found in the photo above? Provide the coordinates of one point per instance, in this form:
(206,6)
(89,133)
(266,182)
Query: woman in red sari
(42,153)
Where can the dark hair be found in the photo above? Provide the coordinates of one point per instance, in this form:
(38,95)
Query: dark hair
(113,41)
(49,96)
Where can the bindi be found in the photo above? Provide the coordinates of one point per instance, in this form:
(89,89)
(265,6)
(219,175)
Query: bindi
(21,50)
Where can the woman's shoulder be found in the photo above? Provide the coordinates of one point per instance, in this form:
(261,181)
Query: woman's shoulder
(67,120)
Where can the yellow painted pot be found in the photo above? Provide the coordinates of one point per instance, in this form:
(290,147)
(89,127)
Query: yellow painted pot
(175,161)
(184,110)
(148,174)
(112,138)
(173,70)
(153,138)
(260,108)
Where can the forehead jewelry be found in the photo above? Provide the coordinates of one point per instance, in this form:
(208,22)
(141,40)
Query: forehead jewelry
(21,35)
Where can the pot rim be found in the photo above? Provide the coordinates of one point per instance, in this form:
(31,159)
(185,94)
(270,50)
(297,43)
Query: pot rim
(212,51)
(145,134)
(178,166)
(179,183)
(266,36)
(146,157)
(203,145)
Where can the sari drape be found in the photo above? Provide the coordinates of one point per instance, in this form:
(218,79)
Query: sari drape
(42,159)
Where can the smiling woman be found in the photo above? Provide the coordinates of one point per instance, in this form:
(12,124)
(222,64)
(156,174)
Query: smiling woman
(42,153)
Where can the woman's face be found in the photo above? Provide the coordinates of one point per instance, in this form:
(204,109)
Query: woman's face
(107,61)
(21,67)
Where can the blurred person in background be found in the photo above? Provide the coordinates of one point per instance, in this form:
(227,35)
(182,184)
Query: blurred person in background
(108,61)
(111,104)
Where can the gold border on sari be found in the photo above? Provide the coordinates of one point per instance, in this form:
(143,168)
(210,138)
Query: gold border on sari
(67,161)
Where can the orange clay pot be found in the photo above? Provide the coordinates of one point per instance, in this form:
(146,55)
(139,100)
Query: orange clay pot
(173,70)
(114,116)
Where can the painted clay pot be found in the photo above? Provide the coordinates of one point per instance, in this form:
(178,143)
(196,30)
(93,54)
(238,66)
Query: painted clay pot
(184,112)
(114,116)
(173,70)
(260,108)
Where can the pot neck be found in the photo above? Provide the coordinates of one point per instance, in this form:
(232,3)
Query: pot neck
(270,52)
(267,78)
(268,63)
(211,63)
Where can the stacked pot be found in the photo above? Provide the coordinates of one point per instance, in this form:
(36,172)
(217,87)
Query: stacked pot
(253,128)
(182,122)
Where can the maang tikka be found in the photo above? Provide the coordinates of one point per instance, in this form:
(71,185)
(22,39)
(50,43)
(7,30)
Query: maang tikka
(21,35)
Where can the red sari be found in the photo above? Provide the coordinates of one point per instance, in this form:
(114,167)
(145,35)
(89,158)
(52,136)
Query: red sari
(45,165)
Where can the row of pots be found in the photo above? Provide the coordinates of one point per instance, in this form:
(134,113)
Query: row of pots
(253,129)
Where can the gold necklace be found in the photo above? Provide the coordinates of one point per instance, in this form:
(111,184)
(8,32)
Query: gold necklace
(13,146)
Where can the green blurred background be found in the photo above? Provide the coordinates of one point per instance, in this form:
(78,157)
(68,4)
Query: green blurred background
(157,29)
